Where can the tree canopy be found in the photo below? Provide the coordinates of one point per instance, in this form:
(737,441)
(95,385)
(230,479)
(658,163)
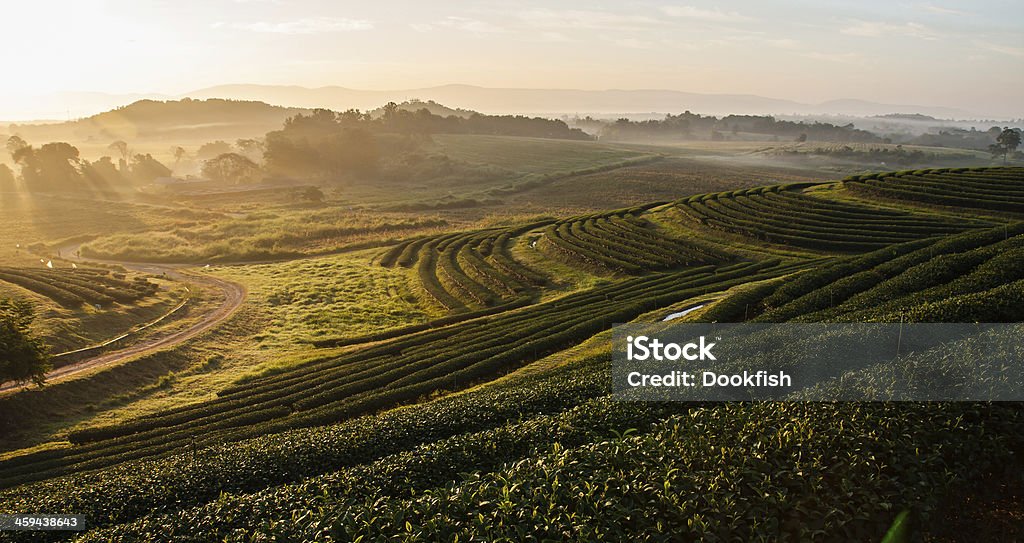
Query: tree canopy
(23,356)
(689,125)
(1006,142)
(57,166)
(232,168)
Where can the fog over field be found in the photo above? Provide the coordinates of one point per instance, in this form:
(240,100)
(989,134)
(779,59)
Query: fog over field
(314,271)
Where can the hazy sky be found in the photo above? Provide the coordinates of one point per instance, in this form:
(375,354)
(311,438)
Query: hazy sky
(967,54)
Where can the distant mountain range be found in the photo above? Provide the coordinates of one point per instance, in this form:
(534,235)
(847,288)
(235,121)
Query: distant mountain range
(546,102)
(564,101)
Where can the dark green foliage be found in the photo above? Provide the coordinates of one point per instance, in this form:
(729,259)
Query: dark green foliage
(133,489)
(620,242)
(695,126)
(784,216)
(962,275)
(392,373)
(316,453)
(614,473)
(22,354)
(996,189)
(468,272)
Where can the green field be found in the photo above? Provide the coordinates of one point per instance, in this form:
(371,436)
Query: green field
(451,382)
(531,155)
(304,300)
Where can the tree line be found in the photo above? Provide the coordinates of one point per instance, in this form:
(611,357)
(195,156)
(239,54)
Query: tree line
(689,125)
(325,144)
(322,144)
(58,166)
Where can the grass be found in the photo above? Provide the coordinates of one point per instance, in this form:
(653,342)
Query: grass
(64,329)
(668,179)
(328,389)
(44,416)
(36,221)
(531,155)
(544,177)
(493,427)
(333,296)
(265,235)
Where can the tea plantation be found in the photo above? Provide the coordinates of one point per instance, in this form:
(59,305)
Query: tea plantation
(495,422)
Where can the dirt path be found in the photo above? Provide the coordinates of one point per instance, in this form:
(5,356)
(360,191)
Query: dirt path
(233,295)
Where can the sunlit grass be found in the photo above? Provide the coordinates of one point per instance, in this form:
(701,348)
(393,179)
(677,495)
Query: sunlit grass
(334,296)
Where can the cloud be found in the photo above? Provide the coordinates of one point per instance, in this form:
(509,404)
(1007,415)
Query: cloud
(874,29)
(690,12)
(943,10)
(465,24)
(310,25)
(844,58)
(474,26)
(762,38)
(589,19)
(1004,49)
(553,37)
(634,43)
(783,43)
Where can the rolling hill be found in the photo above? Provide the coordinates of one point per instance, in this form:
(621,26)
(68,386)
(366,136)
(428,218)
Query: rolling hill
(495,422)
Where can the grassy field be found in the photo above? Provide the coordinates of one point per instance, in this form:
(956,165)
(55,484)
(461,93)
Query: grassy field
(289,305)
(34,220)
(453,382)
(668,179)
(341,296)
(531,155)
(263,235)
(544,177)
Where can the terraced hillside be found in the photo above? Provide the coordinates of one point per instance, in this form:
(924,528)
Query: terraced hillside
(385,375)
(76,287)
(996,189)
(464,271)
(974,277)
(784,215)
(622,242)
(496,422)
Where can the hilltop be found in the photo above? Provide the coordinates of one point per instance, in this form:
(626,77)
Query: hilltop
(184,119)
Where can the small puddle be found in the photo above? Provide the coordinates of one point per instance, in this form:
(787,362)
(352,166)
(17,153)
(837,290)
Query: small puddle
(681,313)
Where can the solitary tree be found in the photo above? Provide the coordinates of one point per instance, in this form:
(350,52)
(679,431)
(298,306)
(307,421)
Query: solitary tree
(179,153)
(54,166)
(1006,142)
(119,147)
(23,356)
(213,149)
(232,168)
(24,155)
(15,144)
(145,168)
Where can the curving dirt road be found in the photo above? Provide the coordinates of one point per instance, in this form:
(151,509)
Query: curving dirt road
(233,294)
